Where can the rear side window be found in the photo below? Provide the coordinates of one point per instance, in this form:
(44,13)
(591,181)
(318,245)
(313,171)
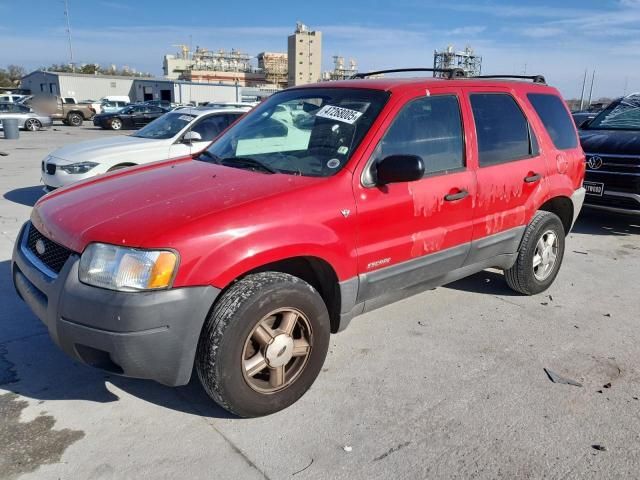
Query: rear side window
(431,128)
(501,127)
(555,118)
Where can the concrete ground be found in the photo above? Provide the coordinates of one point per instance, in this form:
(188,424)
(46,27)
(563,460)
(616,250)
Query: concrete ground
(447,384)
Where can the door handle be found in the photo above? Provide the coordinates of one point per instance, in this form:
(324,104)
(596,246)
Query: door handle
(452,197)
(534,177)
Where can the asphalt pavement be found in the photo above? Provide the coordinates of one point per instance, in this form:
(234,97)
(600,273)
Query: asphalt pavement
(446,384)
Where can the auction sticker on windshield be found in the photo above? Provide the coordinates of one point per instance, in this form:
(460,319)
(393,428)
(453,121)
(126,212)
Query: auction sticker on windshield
(341,114)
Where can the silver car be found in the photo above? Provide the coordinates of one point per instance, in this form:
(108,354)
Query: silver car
(27,118)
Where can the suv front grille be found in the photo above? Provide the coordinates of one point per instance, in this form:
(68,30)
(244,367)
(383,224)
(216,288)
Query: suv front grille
(51,168)
(53,255)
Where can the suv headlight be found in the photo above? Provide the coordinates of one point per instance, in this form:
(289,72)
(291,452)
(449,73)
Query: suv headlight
(76,168)
(127,269)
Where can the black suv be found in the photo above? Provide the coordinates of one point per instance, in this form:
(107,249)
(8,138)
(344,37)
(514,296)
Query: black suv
(611,142)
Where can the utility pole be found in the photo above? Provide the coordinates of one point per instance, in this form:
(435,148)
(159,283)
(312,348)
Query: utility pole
(584,83)
(593,76)
(66,14)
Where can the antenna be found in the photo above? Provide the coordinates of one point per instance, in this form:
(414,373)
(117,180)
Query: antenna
(66,14)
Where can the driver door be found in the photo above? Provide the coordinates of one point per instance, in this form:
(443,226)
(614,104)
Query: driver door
(411,232)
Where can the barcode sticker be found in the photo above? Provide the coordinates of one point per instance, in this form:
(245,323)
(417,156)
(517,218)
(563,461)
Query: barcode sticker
(345,115)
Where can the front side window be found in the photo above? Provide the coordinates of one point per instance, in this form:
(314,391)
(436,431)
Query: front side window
(166,126)
(429,127)
(555,118)
(501,128)
(623,114)
(310,132)
(210,127)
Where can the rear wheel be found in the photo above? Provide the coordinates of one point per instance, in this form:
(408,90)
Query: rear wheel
(264,344)
(32,124)
(74,119)
(540,255)
(115,124)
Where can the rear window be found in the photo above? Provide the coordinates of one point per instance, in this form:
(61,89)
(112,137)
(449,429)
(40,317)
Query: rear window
(502,129)
(555,118)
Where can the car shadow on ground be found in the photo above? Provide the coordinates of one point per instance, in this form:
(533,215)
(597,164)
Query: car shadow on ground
(486,281)
(32,366)
(25,196)
(596,222)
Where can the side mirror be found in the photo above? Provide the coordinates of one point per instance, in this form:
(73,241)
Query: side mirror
(191,136)
(399,168)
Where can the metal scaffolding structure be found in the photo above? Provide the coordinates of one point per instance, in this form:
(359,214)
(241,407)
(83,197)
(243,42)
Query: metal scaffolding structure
(340,71)
(466,59)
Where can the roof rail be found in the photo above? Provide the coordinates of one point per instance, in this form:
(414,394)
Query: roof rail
(451,72)
(535,78)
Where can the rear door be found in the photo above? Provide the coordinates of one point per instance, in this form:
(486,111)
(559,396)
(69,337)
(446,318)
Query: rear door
(511,172)
(411,232)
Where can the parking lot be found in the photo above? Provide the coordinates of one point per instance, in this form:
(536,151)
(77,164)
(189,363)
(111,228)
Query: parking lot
(446,384)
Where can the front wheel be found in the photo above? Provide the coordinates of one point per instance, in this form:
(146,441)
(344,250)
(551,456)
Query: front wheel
(264,344)
(540,255)
(115,124)
(32,124)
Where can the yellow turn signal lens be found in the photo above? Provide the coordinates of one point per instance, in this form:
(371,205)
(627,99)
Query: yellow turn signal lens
(162,271)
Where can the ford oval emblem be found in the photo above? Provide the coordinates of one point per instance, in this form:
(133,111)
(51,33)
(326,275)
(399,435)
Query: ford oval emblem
(594,162)
(40,247)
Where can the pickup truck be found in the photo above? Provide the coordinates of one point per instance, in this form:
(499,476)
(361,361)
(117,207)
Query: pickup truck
(324,202)
(70,113)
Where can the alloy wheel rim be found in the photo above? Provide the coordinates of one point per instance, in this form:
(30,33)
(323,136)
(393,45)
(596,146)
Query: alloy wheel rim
(115,124)
(545,255)
(32,124)
(277,350)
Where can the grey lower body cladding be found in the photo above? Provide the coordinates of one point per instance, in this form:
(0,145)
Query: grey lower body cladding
(152,335)
(369,291)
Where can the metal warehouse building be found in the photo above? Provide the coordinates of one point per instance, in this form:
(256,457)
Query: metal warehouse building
(94,87)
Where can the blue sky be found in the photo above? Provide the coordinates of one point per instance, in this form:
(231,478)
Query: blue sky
(556,38)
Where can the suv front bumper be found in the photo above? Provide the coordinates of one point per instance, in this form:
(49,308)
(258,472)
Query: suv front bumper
(151,335)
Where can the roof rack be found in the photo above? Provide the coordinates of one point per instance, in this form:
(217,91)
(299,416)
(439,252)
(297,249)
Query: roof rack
(535,78)
(451,72)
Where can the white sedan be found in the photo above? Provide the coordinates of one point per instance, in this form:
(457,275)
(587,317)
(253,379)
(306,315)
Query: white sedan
(179,133)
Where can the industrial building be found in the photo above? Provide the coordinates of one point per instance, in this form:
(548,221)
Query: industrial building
(94,87)
(275,67)
(305,56)
(466,59)
(340,70)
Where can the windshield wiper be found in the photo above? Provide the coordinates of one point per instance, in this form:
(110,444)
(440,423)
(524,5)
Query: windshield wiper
(216,159)
(248,162)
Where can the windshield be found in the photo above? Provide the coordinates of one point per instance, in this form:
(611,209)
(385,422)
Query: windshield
(166,126)
(623,114)
(310,131)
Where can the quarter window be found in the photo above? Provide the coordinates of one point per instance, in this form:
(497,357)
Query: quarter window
(431,128)
(501,128)
(555,118)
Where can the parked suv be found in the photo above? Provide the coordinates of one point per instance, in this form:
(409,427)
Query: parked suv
(612,145)
(245,258)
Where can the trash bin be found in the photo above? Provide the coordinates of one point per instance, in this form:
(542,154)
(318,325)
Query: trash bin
(10,127)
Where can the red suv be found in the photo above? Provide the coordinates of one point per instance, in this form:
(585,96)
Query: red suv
(324,202)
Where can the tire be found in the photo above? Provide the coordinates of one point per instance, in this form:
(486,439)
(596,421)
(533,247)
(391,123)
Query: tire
(74,119)
(228,343)
(115,124)
(32,124)
(526,277)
